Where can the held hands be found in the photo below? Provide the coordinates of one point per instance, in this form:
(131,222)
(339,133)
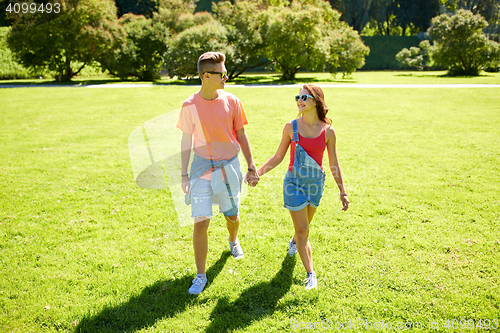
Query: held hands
(252,178)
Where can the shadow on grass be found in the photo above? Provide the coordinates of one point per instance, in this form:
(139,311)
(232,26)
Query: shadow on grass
(254,303)
(252,80)
(424,75)
(276,80)
(163,299)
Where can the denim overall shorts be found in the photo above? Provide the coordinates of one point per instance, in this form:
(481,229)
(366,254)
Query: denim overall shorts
(305,184)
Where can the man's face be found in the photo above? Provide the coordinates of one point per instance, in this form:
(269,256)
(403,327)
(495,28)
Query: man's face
(218,81)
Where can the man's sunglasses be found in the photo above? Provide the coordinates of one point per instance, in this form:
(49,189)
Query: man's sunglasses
(222,74)
(303,98)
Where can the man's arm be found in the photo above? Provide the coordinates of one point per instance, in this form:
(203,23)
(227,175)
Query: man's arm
(242,138)
(186,144)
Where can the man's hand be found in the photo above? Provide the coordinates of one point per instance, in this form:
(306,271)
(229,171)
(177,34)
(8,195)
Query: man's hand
(185,184)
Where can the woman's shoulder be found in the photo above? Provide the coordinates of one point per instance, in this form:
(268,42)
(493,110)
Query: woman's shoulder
(288,126)
(329,131)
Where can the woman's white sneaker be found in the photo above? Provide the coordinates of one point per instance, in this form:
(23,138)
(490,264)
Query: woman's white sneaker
(311,281)
(292,247)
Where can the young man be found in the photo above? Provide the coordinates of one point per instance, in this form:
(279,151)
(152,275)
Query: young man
(212,122)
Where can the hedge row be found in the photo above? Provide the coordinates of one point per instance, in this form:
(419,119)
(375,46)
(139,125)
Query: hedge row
(383,50)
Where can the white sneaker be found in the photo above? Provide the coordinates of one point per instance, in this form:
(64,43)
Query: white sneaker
(199,283)
(311,281)
(236,250)
(292,247)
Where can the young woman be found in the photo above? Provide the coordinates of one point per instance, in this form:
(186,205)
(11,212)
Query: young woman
(308,136)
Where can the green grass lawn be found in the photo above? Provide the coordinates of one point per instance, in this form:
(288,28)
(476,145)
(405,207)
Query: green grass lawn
(84,249)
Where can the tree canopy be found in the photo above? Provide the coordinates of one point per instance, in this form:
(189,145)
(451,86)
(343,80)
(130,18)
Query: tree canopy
(460,43)
(63,42)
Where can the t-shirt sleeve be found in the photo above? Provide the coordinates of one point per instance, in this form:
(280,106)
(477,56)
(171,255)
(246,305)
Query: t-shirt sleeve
(185,122)
(239,117)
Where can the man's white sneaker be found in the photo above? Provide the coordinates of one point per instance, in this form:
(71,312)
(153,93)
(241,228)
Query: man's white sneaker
(236,250)
(199,283)
(292,247)
(311,281)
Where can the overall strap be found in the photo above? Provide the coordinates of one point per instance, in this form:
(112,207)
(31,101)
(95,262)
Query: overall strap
(295,131)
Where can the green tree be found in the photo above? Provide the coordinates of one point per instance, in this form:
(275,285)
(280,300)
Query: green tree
(170,12)
(247,24)
(489,9)
(64,42)
(309,35)
(295,40)
(461,45)
(188,20)
(415,14)
(4,21)
(347,51)
(356,13)
(188,45)
(137,7)
(141,48)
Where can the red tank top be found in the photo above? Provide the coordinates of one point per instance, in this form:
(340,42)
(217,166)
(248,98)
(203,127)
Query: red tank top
(314,147)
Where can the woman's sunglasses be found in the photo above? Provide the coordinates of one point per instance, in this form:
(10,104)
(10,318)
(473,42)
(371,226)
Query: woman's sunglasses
(302,98)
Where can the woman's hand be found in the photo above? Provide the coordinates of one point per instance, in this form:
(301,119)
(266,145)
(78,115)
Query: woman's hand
(345,201)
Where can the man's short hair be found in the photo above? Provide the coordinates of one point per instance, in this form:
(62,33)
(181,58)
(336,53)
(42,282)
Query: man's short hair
(207,61)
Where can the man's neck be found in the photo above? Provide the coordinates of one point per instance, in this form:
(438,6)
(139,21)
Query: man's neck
(208,94)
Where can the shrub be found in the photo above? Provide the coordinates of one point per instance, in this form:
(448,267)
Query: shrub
(141,48)
(417,57)
(10,69)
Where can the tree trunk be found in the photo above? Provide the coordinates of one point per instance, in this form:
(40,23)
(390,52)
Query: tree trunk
(68,71)
(289,74)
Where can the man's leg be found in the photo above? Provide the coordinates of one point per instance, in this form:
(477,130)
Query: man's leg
(200,244)
(233,224)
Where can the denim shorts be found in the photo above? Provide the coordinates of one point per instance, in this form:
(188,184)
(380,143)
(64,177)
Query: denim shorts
(202,199)
(300,192)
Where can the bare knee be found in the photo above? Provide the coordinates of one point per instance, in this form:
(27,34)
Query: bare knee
(233,218)
(301,232)
(201,226)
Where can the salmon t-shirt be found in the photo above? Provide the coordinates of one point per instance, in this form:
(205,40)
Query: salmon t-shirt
(213,125)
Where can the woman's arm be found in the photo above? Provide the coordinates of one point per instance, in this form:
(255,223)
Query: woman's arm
(278,157)
(331,146)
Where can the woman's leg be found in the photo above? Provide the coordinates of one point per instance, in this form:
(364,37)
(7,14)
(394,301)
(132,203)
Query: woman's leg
(301,220)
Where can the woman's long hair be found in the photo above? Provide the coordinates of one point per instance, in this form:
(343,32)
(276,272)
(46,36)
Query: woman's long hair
(319,97)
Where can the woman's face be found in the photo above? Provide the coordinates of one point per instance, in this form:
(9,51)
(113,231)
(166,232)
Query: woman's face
(307,105)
